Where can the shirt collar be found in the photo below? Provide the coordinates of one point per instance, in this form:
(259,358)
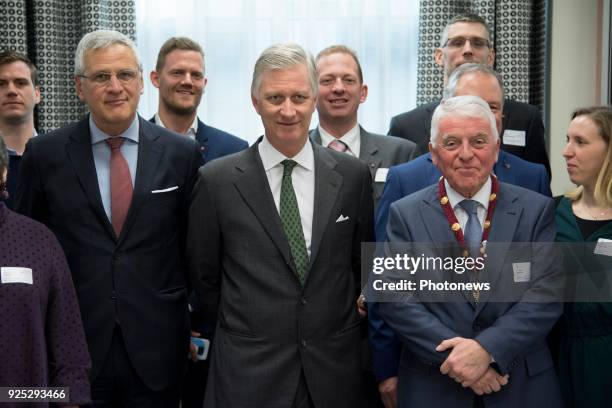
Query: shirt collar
(270,157)
(193,129)
(98,135)
(482,196)
(350,138)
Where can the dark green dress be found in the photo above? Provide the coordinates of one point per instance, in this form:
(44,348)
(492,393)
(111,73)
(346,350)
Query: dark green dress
(585,329)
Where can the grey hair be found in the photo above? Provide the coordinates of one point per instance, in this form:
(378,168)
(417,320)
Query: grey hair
(467,106)
(101,39)
(283,56)
(464,18)
(470,68)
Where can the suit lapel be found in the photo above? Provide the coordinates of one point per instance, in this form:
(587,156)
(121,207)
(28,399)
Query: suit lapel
(80,154)
(327,185)
(503,227)
(202,139)
(434,219)
(442,240)
(253,186)
(149,155)
(368,152)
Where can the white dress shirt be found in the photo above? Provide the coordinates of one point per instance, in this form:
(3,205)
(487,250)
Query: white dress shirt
(351,139)
(302,177)
(193,129)
(482,197)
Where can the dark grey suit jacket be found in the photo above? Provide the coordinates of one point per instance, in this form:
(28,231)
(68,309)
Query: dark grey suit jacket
(513,333)
(379,152)
(415,125)
(269,327)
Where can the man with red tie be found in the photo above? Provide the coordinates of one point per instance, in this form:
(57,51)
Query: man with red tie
(115,190)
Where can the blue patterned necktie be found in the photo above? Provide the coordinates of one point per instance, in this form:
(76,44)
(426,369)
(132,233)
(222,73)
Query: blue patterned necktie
(473,231)
(292,224)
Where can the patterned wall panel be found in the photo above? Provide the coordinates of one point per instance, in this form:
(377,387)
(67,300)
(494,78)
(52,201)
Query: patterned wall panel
(516,34)
(513,21)
(49,32)
(13,25)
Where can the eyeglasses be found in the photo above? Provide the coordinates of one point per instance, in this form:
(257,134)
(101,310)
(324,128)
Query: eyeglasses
(459,42)
(124,76)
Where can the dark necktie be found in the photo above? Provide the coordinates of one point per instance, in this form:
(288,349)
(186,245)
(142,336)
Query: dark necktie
(338,145)
(472,235)
(292,224)
(473,231)
(121,184)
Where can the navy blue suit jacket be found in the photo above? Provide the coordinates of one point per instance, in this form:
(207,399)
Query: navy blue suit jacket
(513,331)
(408,178)
(415,125)
(215,143)
(137,278)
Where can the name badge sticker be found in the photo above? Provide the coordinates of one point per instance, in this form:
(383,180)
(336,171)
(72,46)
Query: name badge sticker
(12,274)
(603,247)
(522,271)
(381,175)
(514,137)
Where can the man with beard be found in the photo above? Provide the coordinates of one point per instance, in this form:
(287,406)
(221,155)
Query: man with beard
(181,79)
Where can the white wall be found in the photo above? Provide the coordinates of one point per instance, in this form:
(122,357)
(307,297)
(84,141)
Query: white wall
(574,73)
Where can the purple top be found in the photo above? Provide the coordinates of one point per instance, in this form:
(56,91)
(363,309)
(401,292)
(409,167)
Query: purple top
(42,342)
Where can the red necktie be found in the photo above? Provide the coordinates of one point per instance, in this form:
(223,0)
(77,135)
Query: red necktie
(121,184)
(338,145)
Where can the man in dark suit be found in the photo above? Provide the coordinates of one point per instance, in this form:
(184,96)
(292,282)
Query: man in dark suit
(341,91)
(180,76)
(279,266)
(405,179)
(456,353)
(115,189)
(466,38)
(181,79)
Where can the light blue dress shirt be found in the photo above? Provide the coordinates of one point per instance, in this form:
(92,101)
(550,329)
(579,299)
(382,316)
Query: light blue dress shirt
(102,153)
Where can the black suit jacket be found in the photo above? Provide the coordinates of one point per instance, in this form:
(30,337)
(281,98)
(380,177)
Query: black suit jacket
(137,279)
(270,328)
(415,125)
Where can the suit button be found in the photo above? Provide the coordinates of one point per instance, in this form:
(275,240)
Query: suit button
(113,296)
(303,301)
(304,344)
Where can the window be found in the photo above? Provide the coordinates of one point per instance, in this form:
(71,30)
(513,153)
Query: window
(234,32)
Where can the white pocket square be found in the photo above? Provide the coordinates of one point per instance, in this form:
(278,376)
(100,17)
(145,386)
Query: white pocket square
(164,190)
(342,218)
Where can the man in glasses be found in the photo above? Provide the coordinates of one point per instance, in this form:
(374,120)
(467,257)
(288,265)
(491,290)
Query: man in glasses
(115,188)
(466,38)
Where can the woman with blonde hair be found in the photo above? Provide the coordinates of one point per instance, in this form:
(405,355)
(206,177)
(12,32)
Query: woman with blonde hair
(585,215)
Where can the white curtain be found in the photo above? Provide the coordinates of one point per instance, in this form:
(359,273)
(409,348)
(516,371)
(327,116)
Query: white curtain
(234,32)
